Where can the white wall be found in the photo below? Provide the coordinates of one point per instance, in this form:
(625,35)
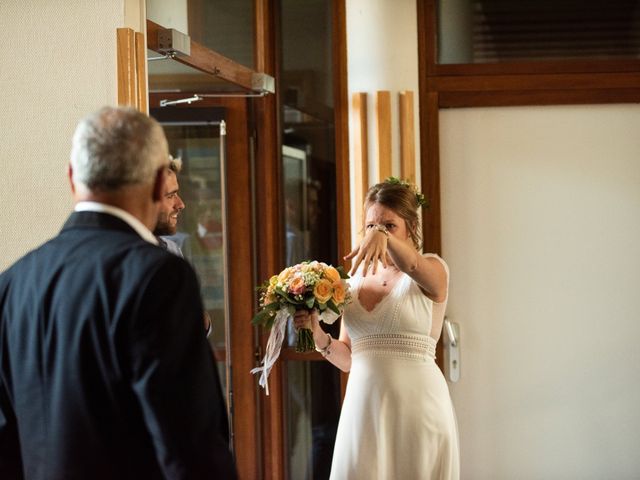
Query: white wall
(382,54)
(540,209)
(58,63)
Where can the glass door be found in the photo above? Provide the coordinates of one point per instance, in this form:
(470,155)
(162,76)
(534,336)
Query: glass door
(201,235)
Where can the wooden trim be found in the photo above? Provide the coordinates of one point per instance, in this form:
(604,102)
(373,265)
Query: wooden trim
(141,72)
(427,40)
(341,115)
(540,97)
(430,165)
(383,131)
(126,67)
(526,68)
(407,136)
(241,331)
(360,154)
(532,82)
(206,60)
(269,227)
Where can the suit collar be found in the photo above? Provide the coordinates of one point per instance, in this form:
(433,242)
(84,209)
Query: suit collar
(97,220)
(128,218)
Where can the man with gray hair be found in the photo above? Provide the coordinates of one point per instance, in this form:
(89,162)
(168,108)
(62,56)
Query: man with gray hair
(105,372)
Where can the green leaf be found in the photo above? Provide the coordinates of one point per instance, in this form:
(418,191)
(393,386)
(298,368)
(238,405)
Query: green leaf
(310,301)
(342,273)
(262,316)
(287,297)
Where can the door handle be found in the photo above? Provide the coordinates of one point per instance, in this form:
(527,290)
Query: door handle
(453,340)
(451,350)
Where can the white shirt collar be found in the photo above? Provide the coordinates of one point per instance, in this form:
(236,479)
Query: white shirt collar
(126,217)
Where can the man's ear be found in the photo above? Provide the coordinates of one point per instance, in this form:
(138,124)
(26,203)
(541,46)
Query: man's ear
(158,184)
(70,176)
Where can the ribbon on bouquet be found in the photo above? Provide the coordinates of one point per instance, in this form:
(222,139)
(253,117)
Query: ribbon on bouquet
(274,344)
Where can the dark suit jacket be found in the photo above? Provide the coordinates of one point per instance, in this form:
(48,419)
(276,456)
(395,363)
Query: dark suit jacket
(105,372)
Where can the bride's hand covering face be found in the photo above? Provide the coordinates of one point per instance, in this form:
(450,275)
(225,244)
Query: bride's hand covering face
(382,225)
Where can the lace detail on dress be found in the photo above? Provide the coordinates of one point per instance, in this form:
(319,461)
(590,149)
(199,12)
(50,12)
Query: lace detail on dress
(415,347)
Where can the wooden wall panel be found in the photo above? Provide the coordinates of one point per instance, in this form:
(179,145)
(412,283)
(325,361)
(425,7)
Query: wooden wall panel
(132,69)
(360,154)
(407,136)
(141,73)
(383,120)
(126,68)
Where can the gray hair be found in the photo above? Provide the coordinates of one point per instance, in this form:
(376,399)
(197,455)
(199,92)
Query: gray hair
(115,147)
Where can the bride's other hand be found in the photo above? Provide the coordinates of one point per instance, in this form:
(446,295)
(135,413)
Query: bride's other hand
(306,319)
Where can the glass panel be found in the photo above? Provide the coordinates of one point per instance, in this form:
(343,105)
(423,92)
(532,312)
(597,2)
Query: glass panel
(200,226)
(312,404)
(490,31)
(223,26)
(311,388)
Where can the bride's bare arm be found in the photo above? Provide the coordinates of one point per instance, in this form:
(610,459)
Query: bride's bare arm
(428,272)
(336,350)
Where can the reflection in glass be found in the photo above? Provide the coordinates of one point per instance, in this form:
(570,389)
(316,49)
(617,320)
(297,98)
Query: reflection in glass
(497,31)
(312,407)
(311,387)
(220,25)
(200,226)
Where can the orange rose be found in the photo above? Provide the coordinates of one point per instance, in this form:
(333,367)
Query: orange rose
(332,274)
(339,293)
(323,291)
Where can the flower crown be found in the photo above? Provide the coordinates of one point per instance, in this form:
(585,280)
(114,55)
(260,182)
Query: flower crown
(420,200)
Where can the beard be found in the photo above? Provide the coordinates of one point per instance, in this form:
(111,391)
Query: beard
(163,227)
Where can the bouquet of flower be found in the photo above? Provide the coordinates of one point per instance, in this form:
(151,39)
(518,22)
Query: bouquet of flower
(307,285)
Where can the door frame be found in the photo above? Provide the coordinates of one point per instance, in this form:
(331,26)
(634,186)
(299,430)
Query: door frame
(240,274)
(269,217)
(560,82)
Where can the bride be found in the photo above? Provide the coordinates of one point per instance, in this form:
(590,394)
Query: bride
(397,420)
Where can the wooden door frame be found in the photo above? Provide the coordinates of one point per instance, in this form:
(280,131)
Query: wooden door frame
(269,220)
(239,234)
(269,225)
(500,84)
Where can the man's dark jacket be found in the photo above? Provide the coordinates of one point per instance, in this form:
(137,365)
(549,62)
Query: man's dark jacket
(105,372)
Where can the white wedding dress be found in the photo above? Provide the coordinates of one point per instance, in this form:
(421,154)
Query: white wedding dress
(397,420)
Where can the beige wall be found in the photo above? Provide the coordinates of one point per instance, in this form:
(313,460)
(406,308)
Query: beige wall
(382,54)
(540,209)
(58,63)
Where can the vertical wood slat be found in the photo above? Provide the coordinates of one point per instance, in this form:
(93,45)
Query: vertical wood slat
(269,223)
(141,72)
(126,67)
(407,137)
(430,167)
(431,177)
(341,116)
(360,154)
(383,120)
